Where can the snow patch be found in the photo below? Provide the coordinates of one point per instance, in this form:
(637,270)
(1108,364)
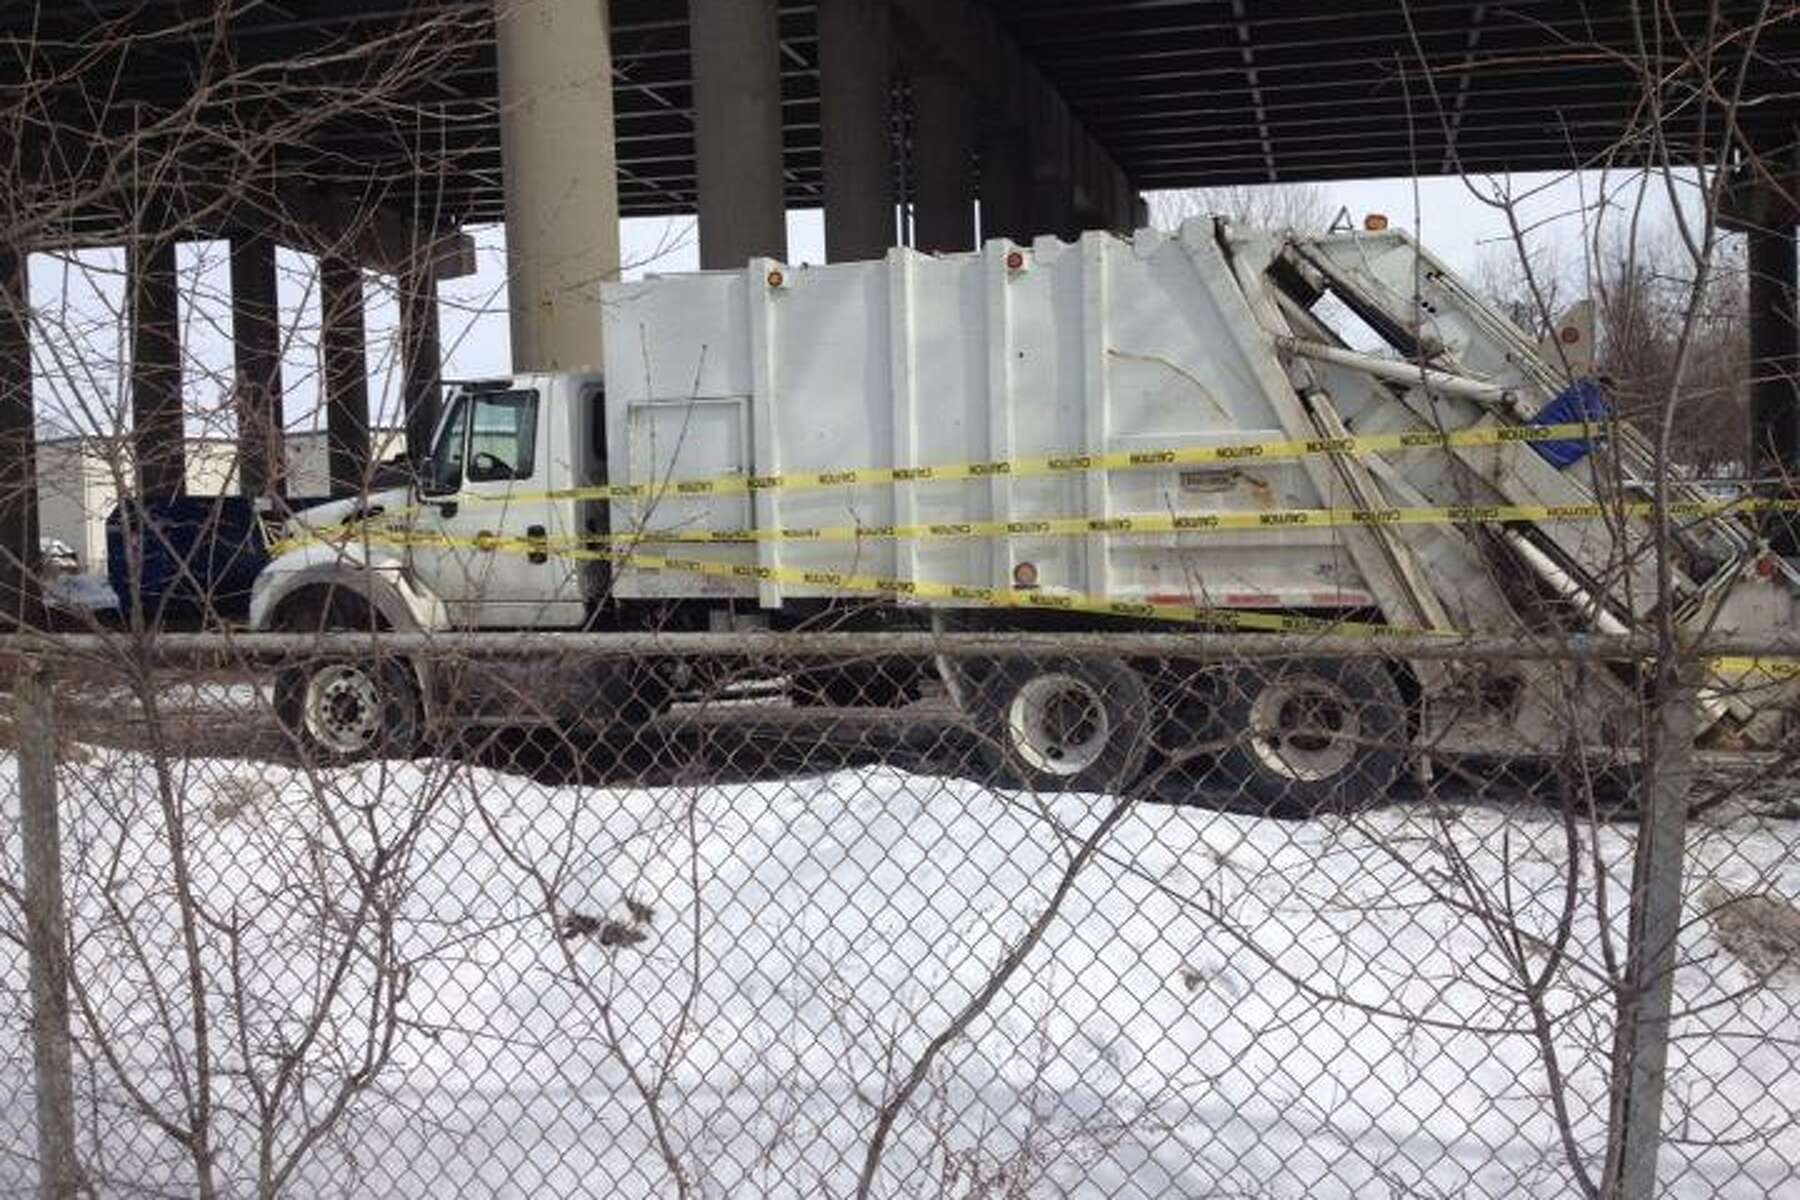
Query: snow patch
(1224,1004)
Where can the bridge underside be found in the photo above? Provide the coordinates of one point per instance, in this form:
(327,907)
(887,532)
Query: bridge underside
(372,132)
(402,100)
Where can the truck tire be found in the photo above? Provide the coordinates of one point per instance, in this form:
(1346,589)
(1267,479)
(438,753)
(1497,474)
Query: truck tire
(343,710)
(1313,735)
(1061,724)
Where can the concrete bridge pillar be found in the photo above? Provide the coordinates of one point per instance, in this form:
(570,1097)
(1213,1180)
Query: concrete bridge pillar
(943,164)
(344,351)
(562,192)
(736,48)
(158,436)
(18,449)
(256,348)
(1005,184)
(421,357)
(1774,349)
(856,108)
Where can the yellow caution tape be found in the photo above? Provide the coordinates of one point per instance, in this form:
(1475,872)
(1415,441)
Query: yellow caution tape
(1136,524)
(903,590)
(1047,465)
(1775,668)
(899,589)
(1204,522)
(1015,598)
(1075,464)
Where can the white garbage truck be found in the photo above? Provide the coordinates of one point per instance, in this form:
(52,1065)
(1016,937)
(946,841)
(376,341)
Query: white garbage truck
(1216,427)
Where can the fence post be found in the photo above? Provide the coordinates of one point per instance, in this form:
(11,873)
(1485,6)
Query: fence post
(46,933)
(1641,1042)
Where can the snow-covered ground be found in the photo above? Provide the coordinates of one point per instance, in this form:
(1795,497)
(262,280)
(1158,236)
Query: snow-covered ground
(1223,1006)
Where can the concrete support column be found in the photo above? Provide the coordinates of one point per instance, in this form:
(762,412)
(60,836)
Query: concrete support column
(1774,350)
(1053,207)
(562,191)
(856,108)
(1103,196)
(159,440)
(343,347)
(1052,178)
(421,358)
(256,342)
(1005,184)
(1112,206)
(18,449)
(736,48)
(943,165)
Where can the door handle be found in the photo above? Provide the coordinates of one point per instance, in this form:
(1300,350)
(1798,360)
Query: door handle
(539,537)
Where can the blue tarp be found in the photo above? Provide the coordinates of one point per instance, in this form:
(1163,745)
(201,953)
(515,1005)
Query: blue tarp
(1584,402)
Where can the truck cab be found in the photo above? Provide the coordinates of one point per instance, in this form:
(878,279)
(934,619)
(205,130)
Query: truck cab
(482,538)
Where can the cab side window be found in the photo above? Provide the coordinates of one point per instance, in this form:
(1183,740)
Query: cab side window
(447,455)
(502,436)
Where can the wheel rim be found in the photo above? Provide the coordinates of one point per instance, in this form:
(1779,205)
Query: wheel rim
(1305,728)
(1058,724)
(343,709)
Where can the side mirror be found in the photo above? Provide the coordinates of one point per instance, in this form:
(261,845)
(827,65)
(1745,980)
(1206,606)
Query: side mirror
(426,475)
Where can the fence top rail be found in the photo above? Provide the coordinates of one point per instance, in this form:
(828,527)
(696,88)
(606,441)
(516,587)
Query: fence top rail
(202,648)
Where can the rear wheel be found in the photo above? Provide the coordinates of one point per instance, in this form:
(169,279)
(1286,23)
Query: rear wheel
(1314,735)
(1062,724)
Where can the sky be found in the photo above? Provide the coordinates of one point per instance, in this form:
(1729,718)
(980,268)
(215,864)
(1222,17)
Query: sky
(83,391)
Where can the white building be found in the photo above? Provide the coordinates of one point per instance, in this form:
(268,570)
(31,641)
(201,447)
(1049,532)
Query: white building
(77,480)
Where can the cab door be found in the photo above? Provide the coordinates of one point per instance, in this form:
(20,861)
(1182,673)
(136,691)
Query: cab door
(488,539)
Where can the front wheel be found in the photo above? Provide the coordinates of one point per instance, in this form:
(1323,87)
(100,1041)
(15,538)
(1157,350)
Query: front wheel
(343,709)
(1314,735)
(1063,724)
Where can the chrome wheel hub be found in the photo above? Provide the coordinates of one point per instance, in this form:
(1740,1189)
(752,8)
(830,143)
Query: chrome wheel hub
(1058,724)
(343,708)
(1305,728)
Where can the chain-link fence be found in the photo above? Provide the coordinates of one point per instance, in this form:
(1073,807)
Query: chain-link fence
(923,916)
